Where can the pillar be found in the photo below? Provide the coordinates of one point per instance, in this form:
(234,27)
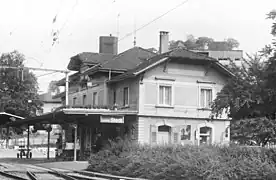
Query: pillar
(48,145)
(28,138)
(75,142)
(7,137)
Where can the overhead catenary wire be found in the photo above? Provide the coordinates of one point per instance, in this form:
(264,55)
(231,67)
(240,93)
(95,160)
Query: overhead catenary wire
(46,74)
(145,25)
(152,21)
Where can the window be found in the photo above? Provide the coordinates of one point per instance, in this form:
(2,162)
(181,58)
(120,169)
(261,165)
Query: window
(74,101)
(165,95)
(206,98)
(114,97)
(94,98)
(126,96)
(84,99)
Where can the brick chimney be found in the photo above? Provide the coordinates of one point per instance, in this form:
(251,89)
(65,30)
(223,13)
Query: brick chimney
(164,42)
(109,44)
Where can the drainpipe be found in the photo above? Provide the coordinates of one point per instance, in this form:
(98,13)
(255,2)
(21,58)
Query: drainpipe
(66,89)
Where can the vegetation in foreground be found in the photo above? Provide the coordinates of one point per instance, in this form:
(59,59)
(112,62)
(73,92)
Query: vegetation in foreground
(185,162)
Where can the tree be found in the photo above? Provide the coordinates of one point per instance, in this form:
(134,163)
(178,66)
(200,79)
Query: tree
(53,88)
(18,86)
(232,43)
(250,98)
(203,42)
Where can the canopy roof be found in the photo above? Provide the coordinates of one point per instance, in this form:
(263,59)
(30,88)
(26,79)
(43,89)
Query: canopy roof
(7,117)
(69,115)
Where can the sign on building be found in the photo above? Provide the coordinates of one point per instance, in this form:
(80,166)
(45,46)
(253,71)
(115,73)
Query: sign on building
(112,119)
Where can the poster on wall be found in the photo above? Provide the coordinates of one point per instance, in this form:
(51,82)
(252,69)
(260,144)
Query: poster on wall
(186,132)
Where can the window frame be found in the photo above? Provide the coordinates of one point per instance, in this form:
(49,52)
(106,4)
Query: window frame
(209,86)
(172,94)
(84,99)
(205,105)
(114,96)
(74,101)
(124,102)
(94,98)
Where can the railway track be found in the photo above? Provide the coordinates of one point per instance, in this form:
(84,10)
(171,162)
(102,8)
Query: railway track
(36,173)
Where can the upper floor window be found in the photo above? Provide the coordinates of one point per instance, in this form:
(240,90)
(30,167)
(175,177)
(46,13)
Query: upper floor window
(126,96)
(95,98)
(206,98)
(165,95)
(84,99)
(114,97)
(74,101)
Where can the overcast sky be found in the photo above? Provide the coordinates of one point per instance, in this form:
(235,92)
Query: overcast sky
(26,25)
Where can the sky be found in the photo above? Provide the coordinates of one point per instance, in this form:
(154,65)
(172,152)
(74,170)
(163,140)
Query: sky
(28,26)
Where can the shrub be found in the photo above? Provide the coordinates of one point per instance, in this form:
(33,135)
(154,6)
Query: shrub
(124,158)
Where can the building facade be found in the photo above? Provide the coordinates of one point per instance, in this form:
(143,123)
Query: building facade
(152,98)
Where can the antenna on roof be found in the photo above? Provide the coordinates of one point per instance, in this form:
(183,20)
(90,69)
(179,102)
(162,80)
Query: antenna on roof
(134,41)
(118,18)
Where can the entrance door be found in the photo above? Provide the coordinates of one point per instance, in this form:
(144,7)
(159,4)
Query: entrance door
(163,135)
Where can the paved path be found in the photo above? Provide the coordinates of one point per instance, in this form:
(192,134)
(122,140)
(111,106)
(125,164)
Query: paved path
(40,159)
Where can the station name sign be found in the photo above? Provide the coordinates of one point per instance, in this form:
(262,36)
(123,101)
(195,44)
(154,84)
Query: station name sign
(112,119)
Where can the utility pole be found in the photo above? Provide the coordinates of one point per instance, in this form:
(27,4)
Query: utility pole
(48,70)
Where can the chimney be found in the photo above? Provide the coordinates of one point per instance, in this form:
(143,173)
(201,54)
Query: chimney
(164,42)
(109,44)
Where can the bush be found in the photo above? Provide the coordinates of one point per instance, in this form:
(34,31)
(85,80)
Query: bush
(184,162)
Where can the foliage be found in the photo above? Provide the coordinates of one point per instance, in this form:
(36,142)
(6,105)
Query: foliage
(18,86)
(201,43)
(250,99)
(185,162)
(53,88)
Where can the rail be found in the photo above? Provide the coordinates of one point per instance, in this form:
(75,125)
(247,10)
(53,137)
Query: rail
(8,175)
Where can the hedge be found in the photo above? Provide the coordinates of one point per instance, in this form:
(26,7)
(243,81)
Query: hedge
(185,162)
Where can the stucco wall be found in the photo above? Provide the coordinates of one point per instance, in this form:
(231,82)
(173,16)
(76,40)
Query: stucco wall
(144,130)
(98,85)
(133,85)
(186,81)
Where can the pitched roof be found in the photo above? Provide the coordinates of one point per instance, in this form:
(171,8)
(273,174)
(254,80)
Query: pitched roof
(72,77)
(89,58)
(126,60)
(178,53)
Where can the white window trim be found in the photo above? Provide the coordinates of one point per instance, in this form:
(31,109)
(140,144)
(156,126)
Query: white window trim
(127,96)
(206,124)
(205,86)
(172,95)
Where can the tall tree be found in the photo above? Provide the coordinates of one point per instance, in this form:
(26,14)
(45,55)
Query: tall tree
(250,98)
(53,88)
(203,42)
(18,87)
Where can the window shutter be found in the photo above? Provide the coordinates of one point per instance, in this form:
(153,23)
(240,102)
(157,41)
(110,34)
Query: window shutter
(175,134)
(153,134)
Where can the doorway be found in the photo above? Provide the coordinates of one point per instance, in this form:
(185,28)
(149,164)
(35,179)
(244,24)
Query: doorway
(164,135)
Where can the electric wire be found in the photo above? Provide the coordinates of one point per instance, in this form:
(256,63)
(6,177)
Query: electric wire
(147,24)
(152,21)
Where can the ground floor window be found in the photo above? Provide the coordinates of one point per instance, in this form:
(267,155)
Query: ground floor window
(205,135)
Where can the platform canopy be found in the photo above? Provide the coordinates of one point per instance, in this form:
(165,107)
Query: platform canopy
(8,118)
(70,115)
